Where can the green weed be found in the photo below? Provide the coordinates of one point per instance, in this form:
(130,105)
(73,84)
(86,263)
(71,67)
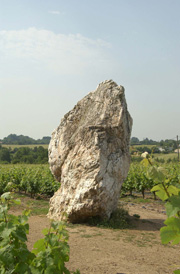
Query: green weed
(119,219)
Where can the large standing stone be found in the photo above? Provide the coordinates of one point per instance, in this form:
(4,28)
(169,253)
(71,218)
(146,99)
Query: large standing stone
(89,155)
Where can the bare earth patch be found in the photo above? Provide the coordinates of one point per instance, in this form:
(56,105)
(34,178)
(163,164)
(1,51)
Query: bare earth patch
(106,251)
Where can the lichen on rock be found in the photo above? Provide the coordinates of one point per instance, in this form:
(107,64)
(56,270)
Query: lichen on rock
(89,155)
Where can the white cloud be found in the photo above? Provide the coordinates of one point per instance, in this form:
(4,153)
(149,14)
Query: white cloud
(62,53)
(54,12)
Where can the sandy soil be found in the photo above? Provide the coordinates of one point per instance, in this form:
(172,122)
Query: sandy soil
(107,251)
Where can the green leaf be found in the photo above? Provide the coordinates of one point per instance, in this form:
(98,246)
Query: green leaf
(6,233)
(52,239)
(170,210)
(173,190)
(34,270)
(22,268)
(26,212)
(176,272)
(66,271)
(6,255)
(160,192)
(145,162)
(158,174)
(45,231)
(23,219)
(171,232)
(17,201)
(173,206)
(25,254)
(76,272)
(20,234)
(3,208)
(39,246)
(55,224)
(52,269)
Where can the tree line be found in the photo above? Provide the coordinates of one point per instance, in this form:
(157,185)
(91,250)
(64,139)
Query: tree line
(167,145)
(14,139)
(162,143)
(36,155)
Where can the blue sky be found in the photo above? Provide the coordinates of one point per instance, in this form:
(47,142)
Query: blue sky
(53,52)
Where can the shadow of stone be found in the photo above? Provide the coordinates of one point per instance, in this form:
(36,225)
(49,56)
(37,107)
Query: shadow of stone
(146,224)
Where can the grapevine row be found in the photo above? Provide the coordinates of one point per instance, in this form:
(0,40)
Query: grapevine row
(138,179)
(33,180)
(37,179)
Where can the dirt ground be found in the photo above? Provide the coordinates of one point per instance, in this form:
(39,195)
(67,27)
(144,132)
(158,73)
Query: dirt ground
(106,251)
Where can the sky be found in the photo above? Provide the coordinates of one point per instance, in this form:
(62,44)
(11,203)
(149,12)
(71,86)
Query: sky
(54,52)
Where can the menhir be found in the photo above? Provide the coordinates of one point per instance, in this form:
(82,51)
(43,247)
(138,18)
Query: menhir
(89,155)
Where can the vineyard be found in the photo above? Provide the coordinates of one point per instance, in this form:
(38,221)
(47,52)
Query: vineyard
(29,179)
(140,237)
(140,181)
(38,180)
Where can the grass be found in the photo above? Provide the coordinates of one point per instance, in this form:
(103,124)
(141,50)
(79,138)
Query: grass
(137,199)
(147,239)
(129,238)
(86,236)
(143,240)
(91,235)
(37,207)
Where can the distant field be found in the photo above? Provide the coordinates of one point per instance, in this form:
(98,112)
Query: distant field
(149,146)
(162,156)
(166,156)
(18,146)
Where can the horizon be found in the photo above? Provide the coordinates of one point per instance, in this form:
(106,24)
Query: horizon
(50,137)
(54,53)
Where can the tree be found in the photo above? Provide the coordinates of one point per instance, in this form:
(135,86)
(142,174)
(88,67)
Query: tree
(4,155)
(134,141)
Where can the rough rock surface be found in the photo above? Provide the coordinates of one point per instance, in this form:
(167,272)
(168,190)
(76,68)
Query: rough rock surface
(89,155)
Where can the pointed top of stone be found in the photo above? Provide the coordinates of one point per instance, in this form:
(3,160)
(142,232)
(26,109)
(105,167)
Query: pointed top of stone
(110,84)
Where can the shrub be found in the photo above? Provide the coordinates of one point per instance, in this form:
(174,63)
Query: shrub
(119,219)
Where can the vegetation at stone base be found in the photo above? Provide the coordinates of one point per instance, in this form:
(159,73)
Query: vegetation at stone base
(24,140)
(139,180)
(32,179)
(49,254)
(36,155)
(119,219)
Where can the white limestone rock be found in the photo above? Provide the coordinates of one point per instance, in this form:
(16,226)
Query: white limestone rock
(89,155)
